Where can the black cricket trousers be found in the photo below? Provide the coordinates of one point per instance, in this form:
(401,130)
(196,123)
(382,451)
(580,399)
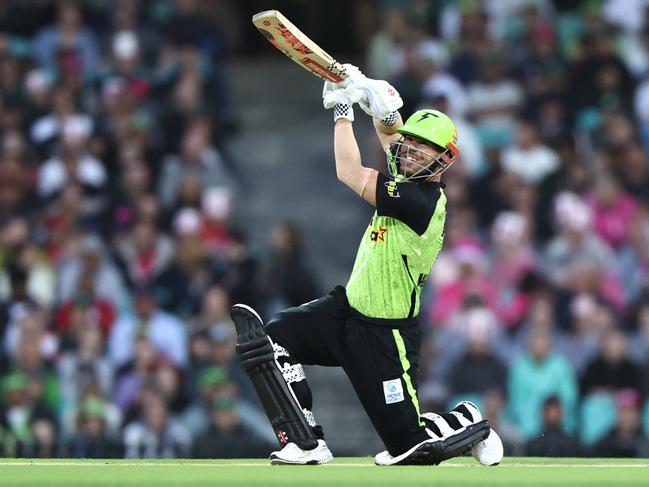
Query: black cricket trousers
(380,357)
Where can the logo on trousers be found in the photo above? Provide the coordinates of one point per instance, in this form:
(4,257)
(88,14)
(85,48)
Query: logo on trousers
(393,391)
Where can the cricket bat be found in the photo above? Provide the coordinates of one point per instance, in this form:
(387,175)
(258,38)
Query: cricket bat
(282,34)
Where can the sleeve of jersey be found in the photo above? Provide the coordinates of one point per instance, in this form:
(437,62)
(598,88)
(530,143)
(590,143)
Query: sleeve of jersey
(405,202)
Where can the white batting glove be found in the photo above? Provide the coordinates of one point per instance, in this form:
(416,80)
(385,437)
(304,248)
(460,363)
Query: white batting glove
(346,92)
(380,98)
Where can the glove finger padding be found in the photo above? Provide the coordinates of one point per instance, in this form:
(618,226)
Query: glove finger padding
(381,98)
(346,92)
(354,75)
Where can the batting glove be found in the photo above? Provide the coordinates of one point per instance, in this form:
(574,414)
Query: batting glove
(381,100)
(346,92)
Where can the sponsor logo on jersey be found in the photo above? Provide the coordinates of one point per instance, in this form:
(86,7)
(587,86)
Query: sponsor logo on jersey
(393,192)
(393,391)
(378,234)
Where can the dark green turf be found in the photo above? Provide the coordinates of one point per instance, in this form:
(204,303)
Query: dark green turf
(518,472)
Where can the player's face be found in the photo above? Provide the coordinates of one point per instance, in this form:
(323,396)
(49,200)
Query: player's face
(418,155)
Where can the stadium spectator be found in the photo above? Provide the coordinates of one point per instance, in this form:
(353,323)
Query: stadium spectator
(478,370)
(43,441)
(639,340)
(133,376)
(191,273)
(89,272)
(599,79)
(16,178)
(16,305)
(81,367)
(430,64)
(68,46)
(22,408)
(197,167)
(166,332)
(493,100)
(534,377)
(468,284)
(612,211)
(27,275)
(92,439)
(611,370)
(575,244)
(144,253)
(226,437)
(528,158)
(625,439)
(47,132)
(553,440)
(214,384)
(239,270)
(386,56)
(633,258)
(289,282)
(587,323)
(157,434)
(166,380)
(629,164)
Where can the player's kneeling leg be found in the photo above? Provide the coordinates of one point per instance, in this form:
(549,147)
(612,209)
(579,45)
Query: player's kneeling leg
(257,357)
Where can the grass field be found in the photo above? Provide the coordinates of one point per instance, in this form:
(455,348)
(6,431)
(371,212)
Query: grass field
(518,472)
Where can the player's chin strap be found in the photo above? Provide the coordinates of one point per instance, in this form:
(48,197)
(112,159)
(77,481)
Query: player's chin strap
(258,357)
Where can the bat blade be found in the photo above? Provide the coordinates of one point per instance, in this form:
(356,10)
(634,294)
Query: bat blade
(286,37)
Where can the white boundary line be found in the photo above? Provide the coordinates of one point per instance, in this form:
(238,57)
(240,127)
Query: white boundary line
(108,463)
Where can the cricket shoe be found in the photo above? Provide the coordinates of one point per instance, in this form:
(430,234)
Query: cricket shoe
(436,450)
(292,454)
(488,452)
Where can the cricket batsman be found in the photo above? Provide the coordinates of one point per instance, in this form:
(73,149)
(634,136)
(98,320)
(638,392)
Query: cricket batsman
(370,326)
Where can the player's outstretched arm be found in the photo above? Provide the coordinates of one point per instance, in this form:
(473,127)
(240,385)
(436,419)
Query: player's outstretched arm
(349,168)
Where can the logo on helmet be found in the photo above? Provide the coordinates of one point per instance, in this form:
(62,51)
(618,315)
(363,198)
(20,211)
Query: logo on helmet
(426,115)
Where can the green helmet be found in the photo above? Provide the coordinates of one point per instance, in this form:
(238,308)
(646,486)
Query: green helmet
(430,126)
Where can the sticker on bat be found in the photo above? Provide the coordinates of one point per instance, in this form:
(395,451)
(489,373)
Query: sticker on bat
(321,70)
(292,40)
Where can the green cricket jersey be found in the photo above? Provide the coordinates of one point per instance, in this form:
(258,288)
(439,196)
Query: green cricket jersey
(398,249)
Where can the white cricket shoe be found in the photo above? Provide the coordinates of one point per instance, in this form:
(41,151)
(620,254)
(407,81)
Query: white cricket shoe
(292,454)
(428,452)
(488,452)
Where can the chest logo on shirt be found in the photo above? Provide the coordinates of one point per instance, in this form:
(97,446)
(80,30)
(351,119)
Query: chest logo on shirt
(393,192)
(378,234)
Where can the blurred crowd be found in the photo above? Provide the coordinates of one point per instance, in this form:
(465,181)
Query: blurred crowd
(118,254)
(538,306)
